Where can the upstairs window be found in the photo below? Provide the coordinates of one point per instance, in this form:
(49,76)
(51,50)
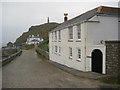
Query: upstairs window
(79,31)
(70,32)
(55,35)
(59,32)
(52,36)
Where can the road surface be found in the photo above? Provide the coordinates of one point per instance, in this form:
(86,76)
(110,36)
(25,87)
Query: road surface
(28,71)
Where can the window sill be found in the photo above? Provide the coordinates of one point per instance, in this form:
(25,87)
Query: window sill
(55,53)
(70,40)
(79,60)
(78,40)
(70,57)
(59,54)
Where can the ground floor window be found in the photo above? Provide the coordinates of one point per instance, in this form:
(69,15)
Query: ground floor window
(59,49)
(79,54)
(52,48)
(56,49)
(70,52)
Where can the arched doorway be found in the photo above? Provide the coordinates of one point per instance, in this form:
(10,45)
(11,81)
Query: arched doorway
(97,58)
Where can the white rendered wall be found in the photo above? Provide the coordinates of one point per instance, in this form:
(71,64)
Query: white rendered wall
(63,57)
(106,29)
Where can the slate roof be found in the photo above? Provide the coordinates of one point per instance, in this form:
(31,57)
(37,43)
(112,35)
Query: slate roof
(89,14)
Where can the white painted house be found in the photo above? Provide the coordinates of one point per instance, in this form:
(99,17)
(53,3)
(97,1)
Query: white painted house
(32,39)
(79,43)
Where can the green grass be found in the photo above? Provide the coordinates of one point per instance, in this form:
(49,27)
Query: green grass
(11,53)
(8,53)
(41,56)
(111,80)
(27,47)
(42,30)
(43,46)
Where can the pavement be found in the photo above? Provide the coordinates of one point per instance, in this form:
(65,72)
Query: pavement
(29,71)
(90,75)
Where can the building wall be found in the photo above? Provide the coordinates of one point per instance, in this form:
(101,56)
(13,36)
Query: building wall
(63,57)
(113,57)
(91,35)
(89,50)
(106,29)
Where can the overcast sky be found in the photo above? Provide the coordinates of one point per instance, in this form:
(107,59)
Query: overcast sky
(18,16)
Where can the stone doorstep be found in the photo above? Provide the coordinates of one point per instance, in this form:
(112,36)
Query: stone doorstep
(90,75)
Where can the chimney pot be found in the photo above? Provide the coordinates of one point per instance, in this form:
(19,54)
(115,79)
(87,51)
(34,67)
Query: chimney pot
(65,18)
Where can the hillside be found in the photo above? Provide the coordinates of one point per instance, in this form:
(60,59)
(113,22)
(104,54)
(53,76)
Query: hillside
(42,30)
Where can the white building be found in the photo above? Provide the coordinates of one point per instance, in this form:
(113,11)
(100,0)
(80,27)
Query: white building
(32,39)
(79,43)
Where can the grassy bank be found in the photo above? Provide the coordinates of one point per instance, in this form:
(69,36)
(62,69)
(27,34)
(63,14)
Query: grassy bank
(43,46)
(111,80)
(27,47)
(8,52)
(41,56)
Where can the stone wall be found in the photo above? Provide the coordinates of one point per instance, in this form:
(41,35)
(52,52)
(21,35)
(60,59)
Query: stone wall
(42,52)
(113,57)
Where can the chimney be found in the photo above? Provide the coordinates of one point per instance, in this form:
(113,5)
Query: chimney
(48,20)
(65,18)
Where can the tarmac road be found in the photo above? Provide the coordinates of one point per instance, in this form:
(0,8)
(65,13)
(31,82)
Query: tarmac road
(28,71)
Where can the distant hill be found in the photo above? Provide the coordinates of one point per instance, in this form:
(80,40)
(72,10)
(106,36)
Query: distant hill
(42,30)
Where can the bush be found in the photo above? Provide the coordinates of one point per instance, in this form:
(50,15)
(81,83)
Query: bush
(43,46)
(27,47)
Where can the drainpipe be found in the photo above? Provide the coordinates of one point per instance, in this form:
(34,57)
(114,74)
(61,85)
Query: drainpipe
(85,44)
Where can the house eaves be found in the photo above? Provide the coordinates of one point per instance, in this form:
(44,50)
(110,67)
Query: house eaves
(102,10)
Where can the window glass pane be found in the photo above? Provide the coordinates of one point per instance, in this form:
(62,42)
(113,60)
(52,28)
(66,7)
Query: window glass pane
(79,54)
(59,49)
(70,32)
(55,48)
(55,35)
(59,35)
(70,51)
(78,31)
(52,36)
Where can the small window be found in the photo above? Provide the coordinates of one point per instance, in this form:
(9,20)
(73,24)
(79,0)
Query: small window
(70,52)
(70,32)
(56,49)
(79,54)
(59,35)
(79,31)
